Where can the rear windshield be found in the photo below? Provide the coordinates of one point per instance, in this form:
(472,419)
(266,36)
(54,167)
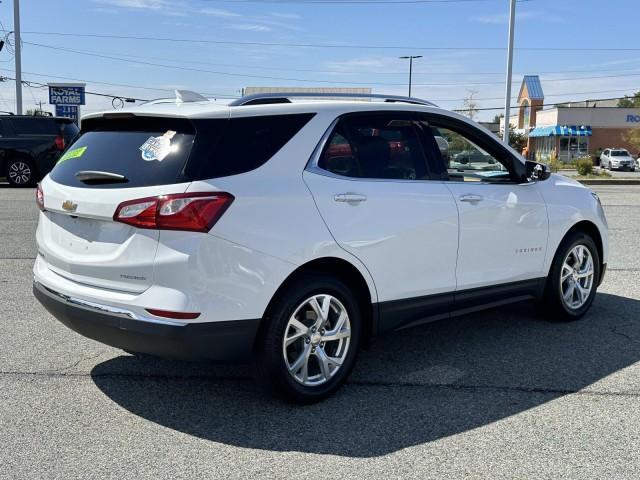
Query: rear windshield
(161,151)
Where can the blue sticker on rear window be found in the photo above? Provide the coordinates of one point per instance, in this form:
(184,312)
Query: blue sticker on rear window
(157,148)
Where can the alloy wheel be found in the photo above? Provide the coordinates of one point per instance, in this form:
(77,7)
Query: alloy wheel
(316,340)
(19,173)
(576,277)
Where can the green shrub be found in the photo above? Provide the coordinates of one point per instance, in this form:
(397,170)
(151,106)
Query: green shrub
(584,166)
(554,164)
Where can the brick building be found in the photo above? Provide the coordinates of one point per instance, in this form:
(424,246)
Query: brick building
(571,130)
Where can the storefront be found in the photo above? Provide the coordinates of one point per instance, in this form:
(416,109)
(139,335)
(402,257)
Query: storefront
(567,142)
(571,130)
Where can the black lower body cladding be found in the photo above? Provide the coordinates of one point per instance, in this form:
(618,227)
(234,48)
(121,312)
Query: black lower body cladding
(219,341)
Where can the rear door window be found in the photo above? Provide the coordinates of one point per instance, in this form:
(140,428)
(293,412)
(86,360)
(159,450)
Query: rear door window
(243,144)
(375,145)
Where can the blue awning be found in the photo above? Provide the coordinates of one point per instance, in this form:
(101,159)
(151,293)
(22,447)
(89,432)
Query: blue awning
(562,131)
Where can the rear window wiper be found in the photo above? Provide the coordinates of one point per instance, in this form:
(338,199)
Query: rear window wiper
(94,176)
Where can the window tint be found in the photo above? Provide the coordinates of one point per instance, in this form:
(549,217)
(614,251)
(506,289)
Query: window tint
(160,151)
(244,144)
(619,153)
(34,126)
(152,153)
(383,146)
(1,128)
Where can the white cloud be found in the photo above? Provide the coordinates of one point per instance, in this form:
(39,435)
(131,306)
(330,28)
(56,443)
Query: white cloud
(251,27)
(502,18)
(289,16)
(218,12)
(139,4)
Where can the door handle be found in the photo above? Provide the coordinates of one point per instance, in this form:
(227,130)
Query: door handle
(349,197)
(473,199)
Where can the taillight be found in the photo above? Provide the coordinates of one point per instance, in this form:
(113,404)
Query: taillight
(195,212)
(40,198)
(59,142)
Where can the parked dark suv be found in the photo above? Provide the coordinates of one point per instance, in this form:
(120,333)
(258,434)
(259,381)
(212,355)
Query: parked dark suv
(31,145)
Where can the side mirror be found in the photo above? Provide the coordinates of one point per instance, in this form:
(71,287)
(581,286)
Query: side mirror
(537,171)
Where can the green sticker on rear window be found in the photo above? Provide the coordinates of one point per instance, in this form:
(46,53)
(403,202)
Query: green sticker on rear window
(75,153)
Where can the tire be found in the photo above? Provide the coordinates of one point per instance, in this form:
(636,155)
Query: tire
(20,172)
(277,364)
(555,305)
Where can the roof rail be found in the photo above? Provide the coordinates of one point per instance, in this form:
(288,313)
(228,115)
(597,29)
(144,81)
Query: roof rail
(284,97)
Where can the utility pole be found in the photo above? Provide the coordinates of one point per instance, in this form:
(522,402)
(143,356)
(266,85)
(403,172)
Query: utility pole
(17,48)
(507,95)
(410,58)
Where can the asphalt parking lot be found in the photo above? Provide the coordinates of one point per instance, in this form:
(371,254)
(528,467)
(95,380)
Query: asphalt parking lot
(501,394)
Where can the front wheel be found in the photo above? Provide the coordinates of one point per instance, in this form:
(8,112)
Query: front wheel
(311,339)
(573,278)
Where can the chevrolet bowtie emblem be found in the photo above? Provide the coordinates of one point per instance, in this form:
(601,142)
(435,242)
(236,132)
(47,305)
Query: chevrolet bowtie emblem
(69,206)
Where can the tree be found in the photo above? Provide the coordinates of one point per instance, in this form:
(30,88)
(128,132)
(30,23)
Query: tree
(470,105)
(497,118)
(633,138)
(630,102)
(517,141)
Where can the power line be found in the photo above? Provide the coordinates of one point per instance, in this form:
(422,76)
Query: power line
(545,104)
(311,70)
(30,83)
(329,45)
(305,80)
(546,96)
(127,85)
(369,2)
(225,96)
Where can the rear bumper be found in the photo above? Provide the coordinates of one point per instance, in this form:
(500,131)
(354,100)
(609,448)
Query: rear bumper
(220,341)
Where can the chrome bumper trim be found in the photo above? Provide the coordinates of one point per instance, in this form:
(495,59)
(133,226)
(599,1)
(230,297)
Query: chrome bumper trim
(98,307)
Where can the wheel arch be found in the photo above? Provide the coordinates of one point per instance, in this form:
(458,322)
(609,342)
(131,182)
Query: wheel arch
(350,275)
(591,229)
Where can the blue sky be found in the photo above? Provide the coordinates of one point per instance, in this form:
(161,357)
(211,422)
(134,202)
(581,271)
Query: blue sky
(445,76)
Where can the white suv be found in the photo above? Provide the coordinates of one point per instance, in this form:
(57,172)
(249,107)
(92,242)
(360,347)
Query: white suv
(293,232)
(617,158)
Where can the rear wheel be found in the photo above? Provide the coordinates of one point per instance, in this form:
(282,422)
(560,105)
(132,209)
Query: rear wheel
(310,341)
(573,279)
(20,172)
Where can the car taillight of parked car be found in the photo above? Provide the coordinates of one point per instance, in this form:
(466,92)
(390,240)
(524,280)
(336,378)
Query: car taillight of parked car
(195,212)
(40,198)
(59,142)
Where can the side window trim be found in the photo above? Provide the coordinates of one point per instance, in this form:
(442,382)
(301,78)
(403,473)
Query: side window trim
(314,160)
(516,168)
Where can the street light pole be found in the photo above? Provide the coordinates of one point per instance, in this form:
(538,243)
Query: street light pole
(507,95)
(17,47)
(410,58)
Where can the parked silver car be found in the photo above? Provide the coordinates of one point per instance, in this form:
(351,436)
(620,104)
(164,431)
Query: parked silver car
(617,158)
